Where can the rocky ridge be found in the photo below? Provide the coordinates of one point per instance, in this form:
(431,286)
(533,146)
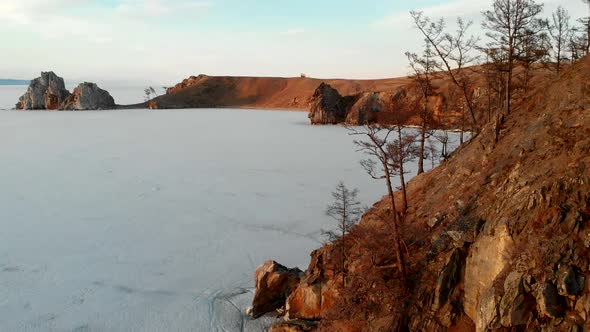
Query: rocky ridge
(48,92)
(295,93)
(498,237)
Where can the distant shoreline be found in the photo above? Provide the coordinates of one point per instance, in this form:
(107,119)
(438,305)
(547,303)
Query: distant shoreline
(4,81)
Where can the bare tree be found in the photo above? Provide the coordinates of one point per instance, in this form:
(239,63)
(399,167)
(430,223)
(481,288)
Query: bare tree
(559,31)
(423,69)
(443,138)
(586,24)
(346,211)
(576,45)
(453,50)
(148,92)
(431,151)
(401,151)
(153,91)
(507,23)
(375,146)
(535,48)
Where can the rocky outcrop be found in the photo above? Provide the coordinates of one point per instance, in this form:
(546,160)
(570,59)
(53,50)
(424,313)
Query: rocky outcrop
(46,92)
(316,292)
(327,106)
(274,282)
(88,96)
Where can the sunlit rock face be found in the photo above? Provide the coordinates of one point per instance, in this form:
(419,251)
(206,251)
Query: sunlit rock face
(274,282)
(88,96)
(46,92)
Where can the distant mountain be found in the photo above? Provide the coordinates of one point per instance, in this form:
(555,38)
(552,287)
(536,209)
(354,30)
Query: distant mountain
(13,82)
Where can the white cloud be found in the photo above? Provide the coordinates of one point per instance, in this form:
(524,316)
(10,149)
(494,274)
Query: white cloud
(294,31)
(28,11)
(161,8)
(90,21)
(467,9)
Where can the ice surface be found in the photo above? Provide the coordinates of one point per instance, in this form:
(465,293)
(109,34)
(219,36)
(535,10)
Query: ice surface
(156,220)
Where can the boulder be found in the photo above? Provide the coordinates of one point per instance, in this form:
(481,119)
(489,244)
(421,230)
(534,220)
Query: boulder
(88,96)
(46,92)
(328,106)
(274,283)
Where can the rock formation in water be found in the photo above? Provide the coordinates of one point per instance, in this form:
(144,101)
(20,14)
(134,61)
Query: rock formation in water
(327,106)
(47,92)
(88,96)
(498,237)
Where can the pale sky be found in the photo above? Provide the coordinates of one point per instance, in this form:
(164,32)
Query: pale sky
(164,41)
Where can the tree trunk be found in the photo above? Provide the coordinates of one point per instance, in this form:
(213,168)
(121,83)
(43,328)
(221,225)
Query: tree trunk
(422,147)
(342,244)
(509,79)
(396,234)
(559,55)
(401,169)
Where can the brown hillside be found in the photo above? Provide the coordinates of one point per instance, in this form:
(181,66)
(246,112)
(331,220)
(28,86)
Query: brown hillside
(498,237)
(260,92)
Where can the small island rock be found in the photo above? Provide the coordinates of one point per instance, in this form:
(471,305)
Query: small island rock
(46,92)
(88,96)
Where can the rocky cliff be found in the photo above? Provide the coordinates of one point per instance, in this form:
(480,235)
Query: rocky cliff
(497,238)
(48,92)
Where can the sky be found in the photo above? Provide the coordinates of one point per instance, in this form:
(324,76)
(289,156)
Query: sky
(164,41)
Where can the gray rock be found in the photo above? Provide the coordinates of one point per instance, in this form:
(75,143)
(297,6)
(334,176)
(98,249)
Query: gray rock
(45,92)
(88,96)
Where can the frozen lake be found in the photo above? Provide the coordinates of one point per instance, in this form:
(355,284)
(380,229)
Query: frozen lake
(144,220)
